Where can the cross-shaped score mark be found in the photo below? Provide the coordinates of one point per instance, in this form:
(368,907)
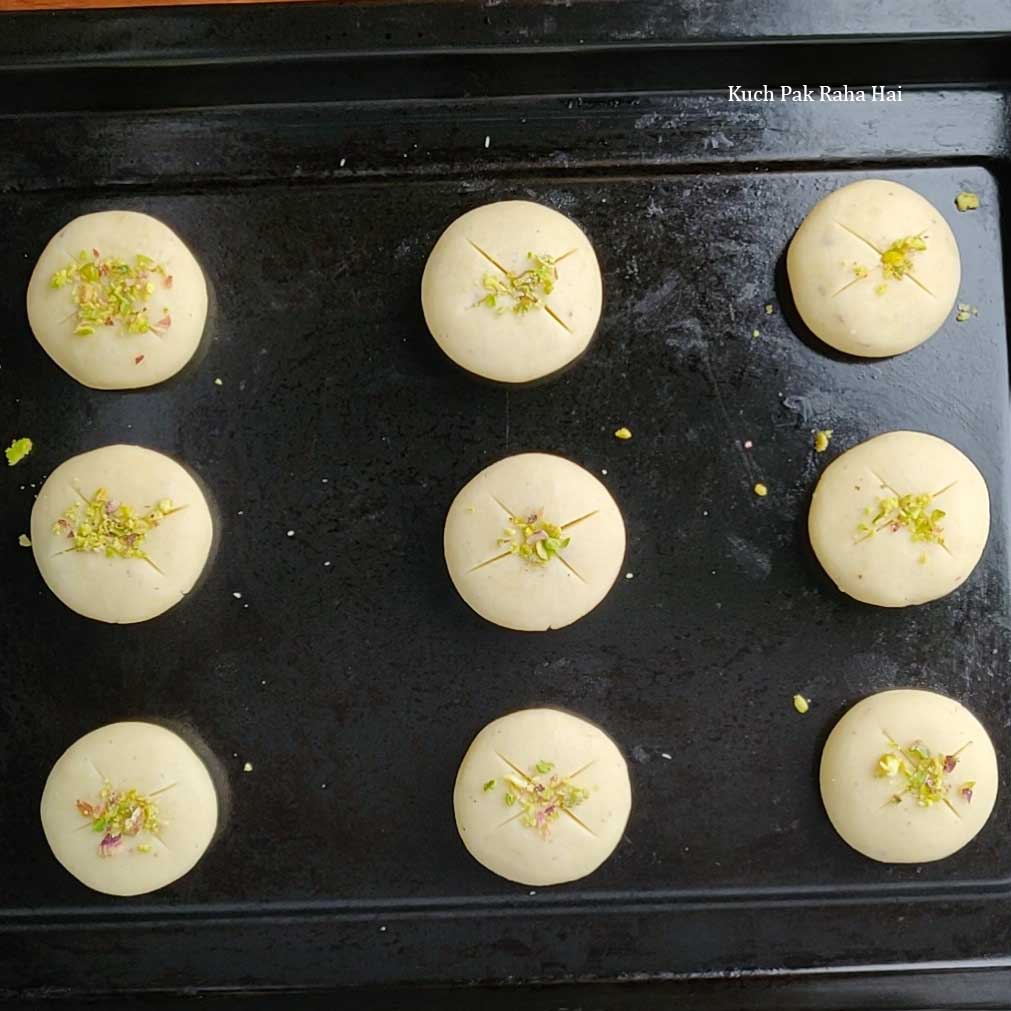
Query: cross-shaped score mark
(532,783)
(508,553)
(908,272)
(511,277)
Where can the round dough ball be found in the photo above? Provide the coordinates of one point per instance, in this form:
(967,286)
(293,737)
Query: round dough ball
(546,837)
(476,262)
(121,588)
(116,355)
(865,777)
(136,853)
(868,536)
(524,590)
(854,288)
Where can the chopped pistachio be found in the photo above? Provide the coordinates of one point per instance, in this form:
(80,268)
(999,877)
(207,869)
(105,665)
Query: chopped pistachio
(801,704)
(144,848)
(218,382)
(897,259)
(17,451)
(623,433)
(880,289)
(119,813)
(541,799)
(965,312)
(756,333)
(490,785)
(821,439)
(103,525)
(966,201)
(111,291)
(525,291)
(25,541)
(760,490)
(533,539)
(924,773)
(860,270)
(247,767)
(909,512)
(769,310)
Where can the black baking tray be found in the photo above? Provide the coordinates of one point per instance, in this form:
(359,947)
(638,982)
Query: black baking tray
(311,156)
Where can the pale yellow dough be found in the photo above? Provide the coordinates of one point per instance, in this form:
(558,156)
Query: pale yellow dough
(859,803)
(123,590)
(507,346)
(889,568)
(576,843)
(512,591)
(159,765)
(844,235)
(107,360)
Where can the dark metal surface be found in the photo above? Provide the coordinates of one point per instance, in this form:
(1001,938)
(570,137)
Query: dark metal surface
(339,420)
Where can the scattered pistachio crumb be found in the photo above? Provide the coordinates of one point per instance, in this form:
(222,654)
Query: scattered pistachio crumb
(218,382)
(144,848)
(769,310)
(17,451)
(821,439)
(801,704)
(490,785)
(248,767)
(922,560)
(623,433)
(881,289)
(25,541)
(966,201)
(965,312)
(760,490)
(756,333)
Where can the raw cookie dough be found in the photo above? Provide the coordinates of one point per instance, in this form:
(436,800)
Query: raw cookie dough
(874,269)
(512,291)
(160,808)
(148,570)
(542,837)
(908,777)
(900,519)
(516,579)
(143,333)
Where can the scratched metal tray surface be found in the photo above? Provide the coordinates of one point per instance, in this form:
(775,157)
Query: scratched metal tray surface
(348,672)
